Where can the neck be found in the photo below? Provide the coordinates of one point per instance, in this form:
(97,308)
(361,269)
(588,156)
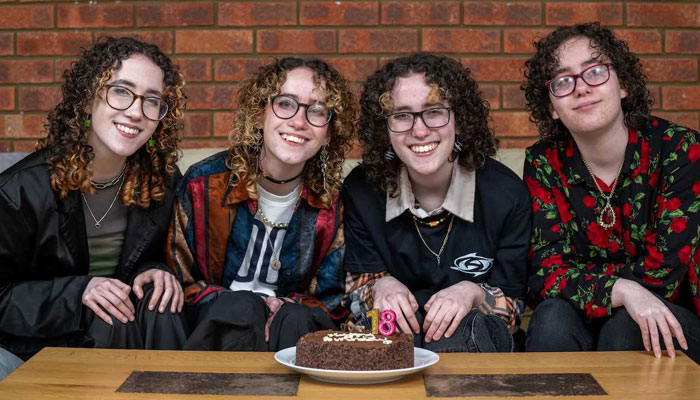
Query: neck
(430,190)
(280,173)
(604,153)
(106,167)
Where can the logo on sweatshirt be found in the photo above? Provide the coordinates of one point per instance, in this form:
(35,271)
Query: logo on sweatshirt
(472,264)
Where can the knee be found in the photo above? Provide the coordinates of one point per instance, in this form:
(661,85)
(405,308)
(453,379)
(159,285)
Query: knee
(306,318)
(620,332)
(556,326)
(241,302)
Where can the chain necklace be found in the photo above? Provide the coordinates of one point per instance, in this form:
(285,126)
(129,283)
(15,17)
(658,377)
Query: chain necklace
(606,218)
(444,241)
(432,224)
(98,222)
(105,185)
(267,222)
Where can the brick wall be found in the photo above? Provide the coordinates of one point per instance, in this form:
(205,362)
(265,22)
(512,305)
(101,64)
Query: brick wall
(218,42)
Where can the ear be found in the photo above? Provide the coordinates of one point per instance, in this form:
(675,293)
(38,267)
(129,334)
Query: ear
(623,93)
(553,112)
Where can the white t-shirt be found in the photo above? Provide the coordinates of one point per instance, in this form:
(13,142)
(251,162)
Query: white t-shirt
(260,267)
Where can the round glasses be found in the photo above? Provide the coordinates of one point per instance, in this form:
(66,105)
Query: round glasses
(121,98)
(286,107)
(405,120)
(594,75)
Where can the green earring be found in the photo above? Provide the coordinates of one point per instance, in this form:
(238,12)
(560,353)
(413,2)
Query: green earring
(151,143)
(87,123)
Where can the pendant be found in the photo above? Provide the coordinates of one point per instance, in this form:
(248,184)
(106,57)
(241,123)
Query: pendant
(276,264)
(607,218)
(438,260)
(98,225)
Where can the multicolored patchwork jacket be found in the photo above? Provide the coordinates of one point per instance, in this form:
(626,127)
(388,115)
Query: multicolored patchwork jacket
(211,227)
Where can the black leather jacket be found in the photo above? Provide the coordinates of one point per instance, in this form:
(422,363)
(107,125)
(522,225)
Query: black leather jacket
(44,256)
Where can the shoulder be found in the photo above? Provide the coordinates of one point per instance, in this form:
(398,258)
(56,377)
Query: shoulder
(669,136)
(498,184)
(30,175)
(212,165)
(357,185)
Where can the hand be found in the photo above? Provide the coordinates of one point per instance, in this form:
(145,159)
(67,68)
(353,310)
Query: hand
(390,294)
(165,284)
(447,307)
(274,304)
(651,314)
(111,295)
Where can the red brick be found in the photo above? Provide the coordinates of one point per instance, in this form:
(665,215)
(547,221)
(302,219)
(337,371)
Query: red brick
(175,14)
(686,42)
(210,97)
(687,119)
(95,16)
(10,126)
(516,143)
(33,125)
(197,125)
(25,146)
(354,69)
(7,98)
(644,41)
(462,40)
(59,67)
(513,123)
(219,41)
(513,97)
(378,40)
(223,123)
(38,98)
(52,43)
(573,13)
(670,69)
(491,94)
(195,69)
(162,39)
(681,97)
(656,14)
(655,91)
(237,69)
(339,13)
(296,41)
(5,146)
(26,71)
(502,13)
(7,44)
(22,126)
(26,17)
(209,144)
(520,40)
(420,13)
(496,69)
(257,13)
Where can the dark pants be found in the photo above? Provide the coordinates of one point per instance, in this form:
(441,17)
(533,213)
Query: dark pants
(235,321)
(476,333)
(557,326)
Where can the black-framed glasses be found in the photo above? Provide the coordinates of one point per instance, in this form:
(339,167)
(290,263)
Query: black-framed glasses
(595,75)
(121,98)
(405,120)
(286,107)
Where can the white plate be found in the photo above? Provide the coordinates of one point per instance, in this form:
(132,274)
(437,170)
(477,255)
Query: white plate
(422,359)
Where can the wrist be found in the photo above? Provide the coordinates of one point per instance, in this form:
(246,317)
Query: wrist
(620,292)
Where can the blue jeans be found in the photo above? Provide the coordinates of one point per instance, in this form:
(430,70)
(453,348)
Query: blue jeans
(476,333)
(557,326)
(8,363)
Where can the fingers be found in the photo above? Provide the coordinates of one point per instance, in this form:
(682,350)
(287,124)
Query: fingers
(654,336)
(408,310)
(157,291)
(138,286)
(167,294)
(667,337)
(90,303)
(676,329)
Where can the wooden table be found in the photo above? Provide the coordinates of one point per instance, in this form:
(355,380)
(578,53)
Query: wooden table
(64,373)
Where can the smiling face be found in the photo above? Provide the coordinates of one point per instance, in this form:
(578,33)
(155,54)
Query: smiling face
(120,133)
(289,143)
(588,110)
(425,151)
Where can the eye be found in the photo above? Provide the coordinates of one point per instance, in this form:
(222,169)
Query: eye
(286,103)
(152,102)
(596,71)
(318,111)
(401,116)
(563,82)
(120,91)
(435,112)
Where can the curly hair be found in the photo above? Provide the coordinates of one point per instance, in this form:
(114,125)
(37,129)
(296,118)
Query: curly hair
(451,82)
(540,68)
(69,154)
(246,136)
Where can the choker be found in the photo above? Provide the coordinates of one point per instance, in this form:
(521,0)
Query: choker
(280,181)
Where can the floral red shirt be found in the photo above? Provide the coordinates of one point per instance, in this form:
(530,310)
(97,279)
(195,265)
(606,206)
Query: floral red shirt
(655,237)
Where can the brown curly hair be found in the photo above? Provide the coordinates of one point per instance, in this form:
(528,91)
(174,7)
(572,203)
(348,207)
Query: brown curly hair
(70,155)
(246,136)
(540,68)
(450,81)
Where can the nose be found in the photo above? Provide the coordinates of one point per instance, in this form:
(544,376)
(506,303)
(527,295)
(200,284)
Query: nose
(420,130)
(298,121)
(581,86)
(134,110)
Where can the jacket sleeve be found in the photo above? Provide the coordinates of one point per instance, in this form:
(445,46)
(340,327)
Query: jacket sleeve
(30,304)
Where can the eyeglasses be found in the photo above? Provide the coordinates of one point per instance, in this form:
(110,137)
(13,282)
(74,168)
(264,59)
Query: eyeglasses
(286,107)
(405,120)
(121,98)
(594,75)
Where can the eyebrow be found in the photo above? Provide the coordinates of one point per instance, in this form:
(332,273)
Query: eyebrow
(590,61)
(130,84)
(295,97)
(424,107)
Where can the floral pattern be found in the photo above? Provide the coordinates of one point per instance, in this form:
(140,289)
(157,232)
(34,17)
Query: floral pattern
(654,240)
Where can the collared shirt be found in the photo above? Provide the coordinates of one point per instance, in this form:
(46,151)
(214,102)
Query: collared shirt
(459,199)
(656,234)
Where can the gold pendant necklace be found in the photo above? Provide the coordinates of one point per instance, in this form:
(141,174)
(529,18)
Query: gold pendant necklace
(444,241)
(606,219)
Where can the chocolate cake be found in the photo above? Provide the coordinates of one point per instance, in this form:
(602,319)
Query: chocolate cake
(353,351)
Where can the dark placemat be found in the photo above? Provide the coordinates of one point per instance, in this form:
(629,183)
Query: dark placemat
(211,383)
(516,385)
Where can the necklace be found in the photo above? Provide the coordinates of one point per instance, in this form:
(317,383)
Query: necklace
(606,218)
(105,185)
(275,263)
(432,224)
(98,222)
(444,242)
(280,181)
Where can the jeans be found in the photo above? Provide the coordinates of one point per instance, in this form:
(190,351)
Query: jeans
(8,363)
(476,333)
(557,326)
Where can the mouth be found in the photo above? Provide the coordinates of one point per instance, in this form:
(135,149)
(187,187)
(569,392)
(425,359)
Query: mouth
(293,138)
(423,148)
(586,105)
(127,130)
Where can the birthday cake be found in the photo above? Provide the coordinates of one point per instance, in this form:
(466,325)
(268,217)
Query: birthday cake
(355,351)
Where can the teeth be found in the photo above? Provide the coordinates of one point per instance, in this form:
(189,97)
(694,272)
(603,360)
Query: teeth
(295,139)
(424,148)
(126,129)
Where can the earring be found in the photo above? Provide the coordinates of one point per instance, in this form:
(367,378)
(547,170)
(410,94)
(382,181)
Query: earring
(151,143)
(323,161)
(457,146)
(389,155)
(87,123)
